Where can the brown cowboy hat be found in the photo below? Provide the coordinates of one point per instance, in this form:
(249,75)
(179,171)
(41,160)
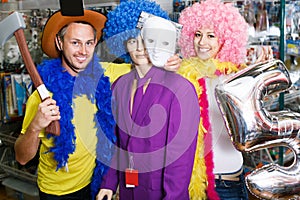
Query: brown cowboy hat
(58,21)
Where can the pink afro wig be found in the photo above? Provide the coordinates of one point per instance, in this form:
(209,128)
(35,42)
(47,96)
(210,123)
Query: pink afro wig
(226,21)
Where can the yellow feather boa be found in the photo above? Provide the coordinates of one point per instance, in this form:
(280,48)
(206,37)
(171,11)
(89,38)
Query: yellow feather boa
(193,69)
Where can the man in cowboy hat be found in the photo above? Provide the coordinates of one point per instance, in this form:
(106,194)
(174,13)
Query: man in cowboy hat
(81,101)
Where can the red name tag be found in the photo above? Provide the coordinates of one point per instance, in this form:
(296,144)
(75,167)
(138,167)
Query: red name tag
(131,178)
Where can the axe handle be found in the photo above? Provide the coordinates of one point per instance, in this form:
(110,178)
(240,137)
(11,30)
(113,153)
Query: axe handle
(54,126)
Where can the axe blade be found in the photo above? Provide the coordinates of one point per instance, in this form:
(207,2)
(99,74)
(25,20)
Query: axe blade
(9,25)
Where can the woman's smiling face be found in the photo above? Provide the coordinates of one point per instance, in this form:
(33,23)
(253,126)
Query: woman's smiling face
(206,43)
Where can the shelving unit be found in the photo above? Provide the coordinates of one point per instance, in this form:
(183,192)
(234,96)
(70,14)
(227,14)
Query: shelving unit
(26,173)
(19,181)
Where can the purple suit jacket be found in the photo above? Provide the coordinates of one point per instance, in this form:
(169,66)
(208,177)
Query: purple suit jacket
(160,139)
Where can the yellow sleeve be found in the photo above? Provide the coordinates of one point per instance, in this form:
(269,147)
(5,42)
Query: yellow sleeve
(114,70)
(31,108)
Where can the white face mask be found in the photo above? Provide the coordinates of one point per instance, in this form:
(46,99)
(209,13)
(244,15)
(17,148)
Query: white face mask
(159,36)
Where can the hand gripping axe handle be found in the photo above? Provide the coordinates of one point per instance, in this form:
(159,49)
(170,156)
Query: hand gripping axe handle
(14,24)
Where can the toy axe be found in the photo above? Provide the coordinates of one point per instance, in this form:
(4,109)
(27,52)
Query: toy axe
(14,24)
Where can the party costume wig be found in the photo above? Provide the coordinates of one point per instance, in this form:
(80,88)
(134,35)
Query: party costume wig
(121,24)
(228,25)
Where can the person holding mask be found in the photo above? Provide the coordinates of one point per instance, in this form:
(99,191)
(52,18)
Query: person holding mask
(81,101)
(213,42)
(156,146)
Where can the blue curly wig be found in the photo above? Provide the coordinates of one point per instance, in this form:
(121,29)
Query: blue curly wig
(121,24)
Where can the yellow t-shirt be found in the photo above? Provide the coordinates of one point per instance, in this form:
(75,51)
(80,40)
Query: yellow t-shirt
(82,162)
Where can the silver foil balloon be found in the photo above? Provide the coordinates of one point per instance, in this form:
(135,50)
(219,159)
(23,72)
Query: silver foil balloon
(252,126)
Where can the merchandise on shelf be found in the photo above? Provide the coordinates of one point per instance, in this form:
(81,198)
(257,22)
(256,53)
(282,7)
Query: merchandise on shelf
(293,47)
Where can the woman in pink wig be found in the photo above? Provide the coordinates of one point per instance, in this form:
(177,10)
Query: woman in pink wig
(213,42)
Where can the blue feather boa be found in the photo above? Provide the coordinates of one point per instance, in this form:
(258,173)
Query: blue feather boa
(92,83)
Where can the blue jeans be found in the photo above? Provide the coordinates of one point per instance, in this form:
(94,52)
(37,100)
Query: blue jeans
(232,190)
(83,194)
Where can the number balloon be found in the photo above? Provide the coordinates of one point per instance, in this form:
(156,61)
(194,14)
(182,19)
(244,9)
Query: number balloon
(252,126)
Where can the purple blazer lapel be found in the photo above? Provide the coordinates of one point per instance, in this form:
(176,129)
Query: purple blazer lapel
(151,95)
(122,94)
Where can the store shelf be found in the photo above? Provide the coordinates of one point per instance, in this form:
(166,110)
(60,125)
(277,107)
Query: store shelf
(13,169)
(17,173)
(8,136)
(20,190)
(9,132)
